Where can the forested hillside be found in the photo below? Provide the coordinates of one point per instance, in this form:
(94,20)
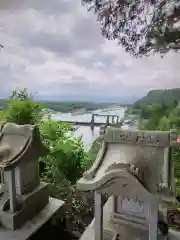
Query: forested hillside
(167,96)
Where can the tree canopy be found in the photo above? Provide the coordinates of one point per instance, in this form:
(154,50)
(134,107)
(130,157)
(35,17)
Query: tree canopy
(140,26)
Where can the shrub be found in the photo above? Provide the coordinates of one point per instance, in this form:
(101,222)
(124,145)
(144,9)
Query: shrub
(66,152)
(22,109)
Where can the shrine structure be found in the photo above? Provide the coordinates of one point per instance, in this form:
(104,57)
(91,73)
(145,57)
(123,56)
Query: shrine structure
(24,201)
(134,169)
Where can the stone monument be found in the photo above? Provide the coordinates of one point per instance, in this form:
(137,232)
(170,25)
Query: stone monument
(134,169)
(22,195)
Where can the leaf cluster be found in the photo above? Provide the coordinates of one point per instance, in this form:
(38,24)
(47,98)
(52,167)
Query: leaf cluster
(141,27)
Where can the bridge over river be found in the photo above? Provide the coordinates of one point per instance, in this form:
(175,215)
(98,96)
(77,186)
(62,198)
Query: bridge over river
(110,119)
(89,134)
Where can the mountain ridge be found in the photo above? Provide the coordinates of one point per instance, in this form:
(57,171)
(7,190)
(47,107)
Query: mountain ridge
(163,96)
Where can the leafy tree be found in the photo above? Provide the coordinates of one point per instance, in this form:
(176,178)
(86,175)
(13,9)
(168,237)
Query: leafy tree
(164,124)
(22,109)
(66,152)
(141,27)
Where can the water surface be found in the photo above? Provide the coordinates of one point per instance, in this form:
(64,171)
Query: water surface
(88,136)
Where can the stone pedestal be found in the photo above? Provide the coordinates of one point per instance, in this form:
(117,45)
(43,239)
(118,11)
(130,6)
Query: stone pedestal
(29,205)
(32,226)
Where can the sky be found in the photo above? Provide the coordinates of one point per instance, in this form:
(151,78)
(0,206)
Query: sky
(55,48)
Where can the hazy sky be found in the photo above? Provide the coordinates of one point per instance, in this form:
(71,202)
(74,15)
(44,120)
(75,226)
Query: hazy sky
(54,47)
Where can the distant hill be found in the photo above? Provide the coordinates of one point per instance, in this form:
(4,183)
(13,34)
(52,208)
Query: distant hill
(167,97)
(65,106)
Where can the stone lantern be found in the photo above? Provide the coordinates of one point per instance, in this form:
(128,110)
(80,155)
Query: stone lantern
(22,195)
(134,169)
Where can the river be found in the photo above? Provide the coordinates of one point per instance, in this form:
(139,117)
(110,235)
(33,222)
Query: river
(88,136)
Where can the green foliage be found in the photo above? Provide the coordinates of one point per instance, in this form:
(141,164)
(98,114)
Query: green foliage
(66,152)
(1,115)
(141,27)
(22,109)
(92,154)
(168,97)
(164,123)
(73,106)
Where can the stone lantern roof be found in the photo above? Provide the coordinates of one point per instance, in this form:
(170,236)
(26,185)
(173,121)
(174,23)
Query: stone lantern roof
(19,143)
(129,155)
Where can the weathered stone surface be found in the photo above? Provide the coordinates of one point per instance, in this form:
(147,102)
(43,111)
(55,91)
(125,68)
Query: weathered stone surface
(30,227)
(19,143)
(22,195)
(133,167)
(126,232)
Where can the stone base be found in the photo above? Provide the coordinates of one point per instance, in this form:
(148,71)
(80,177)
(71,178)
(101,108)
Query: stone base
(32,226)
(32,203)
(125,232)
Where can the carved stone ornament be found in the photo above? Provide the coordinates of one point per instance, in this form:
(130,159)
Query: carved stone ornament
(148,138)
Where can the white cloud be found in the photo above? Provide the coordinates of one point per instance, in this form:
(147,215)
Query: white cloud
(55,48)
(98,64)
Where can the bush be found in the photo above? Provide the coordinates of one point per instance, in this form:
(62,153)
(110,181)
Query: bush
(66,152)
(92,154)
(22,109)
